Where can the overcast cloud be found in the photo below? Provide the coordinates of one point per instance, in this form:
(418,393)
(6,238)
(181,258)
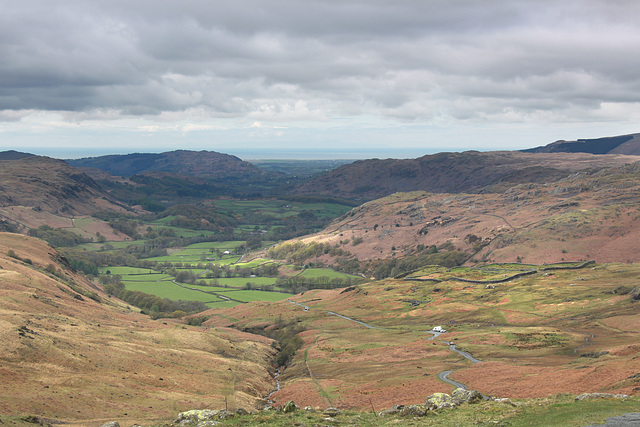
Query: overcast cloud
(282,78)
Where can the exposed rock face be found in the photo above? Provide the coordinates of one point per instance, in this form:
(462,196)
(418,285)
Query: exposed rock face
(439,401)
(458,397)
(461,395)
(414,411)
(201,417)
(289,407)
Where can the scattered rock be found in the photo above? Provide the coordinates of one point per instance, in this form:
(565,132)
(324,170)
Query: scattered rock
(585,396)
(111,424)
(391,411)
(595,354)
(635,293)
(289,407)
(504,400)
(332,412)
(242,411)
(311,409)
(621,290)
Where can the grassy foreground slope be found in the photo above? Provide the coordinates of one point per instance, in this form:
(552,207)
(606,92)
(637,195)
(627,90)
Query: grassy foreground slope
(546,333)
(71,353)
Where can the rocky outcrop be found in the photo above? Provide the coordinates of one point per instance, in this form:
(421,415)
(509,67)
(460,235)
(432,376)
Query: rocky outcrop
(201,417)
(290,406)
(457,398)
(586,396)
(435,401)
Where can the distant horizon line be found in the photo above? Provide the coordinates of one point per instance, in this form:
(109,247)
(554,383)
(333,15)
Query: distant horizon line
(72,154)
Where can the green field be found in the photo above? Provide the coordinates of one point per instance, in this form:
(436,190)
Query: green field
(126,270)
(162,285)
(314,273)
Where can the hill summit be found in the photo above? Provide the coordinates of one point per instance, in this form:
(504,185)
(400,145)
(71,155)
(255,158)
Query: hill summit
(623,144)
(203,164)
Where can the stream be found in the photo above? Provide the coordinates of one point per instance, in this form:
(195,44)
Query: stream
(276,375)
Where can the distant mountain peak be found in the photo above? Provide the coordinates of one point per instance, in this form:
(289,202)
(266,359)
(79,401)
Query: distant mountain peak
(13,155)
(622,144)
(204,164)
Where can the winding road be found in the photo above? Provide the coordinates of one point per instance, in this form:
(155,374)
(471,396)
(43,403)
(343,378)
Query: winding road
(441,375)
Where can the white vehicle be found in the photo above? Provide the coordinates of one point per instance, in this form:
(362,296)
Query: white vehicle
(438,329)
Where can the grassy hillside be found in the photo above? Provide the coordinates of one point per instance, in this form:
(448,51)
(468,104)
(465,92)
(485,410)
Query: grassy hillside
(587,215)
(569,328)
(467,172)
(72,353)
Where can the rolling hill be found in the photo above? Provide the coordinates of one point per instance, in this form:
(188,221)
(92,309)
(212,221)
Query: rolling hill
(585,216)
(72,353)
(624,144)
(36,190)
(467,172)
(202,164)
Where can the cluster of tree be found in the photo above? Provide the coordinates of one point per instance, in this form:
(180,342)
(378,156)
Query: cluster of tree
(198,217)
(299,252)
(298,284)
(286,334)
(126,226)
(57,237)
(8,226)
(431,255)
(216,271)
(89,261)
(153,305)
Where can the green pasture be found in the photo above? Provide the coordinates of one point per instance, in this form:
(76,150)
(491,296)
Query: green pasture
(185,232)
(205,246)
(313,273)
(249,296)
(256,263)
(238,282)
(127,270)
(161,285)
(94,247)
(168,289)
(194,259)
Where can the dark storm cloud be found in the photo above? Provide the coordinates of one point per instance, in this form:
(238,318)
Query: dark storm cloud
(292,59)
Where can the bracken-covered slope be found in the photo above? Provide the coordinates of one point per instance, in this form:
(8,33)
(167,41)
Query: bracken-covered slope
(468,172)
(204,164)
(585,216)
(71,353)
(37,191)
(49,184)
(566,329)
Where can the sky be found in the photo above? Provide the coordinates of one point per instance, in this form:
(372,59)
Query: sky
(314,78)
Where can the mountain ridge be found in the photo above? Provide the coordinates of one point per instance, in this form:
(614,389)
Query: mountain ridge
(623,144)
(204,164)
(469,172)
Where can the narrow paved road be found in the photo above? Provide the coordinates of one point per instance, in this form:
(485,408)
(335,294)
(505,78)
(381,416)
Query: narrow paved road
(443,377)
